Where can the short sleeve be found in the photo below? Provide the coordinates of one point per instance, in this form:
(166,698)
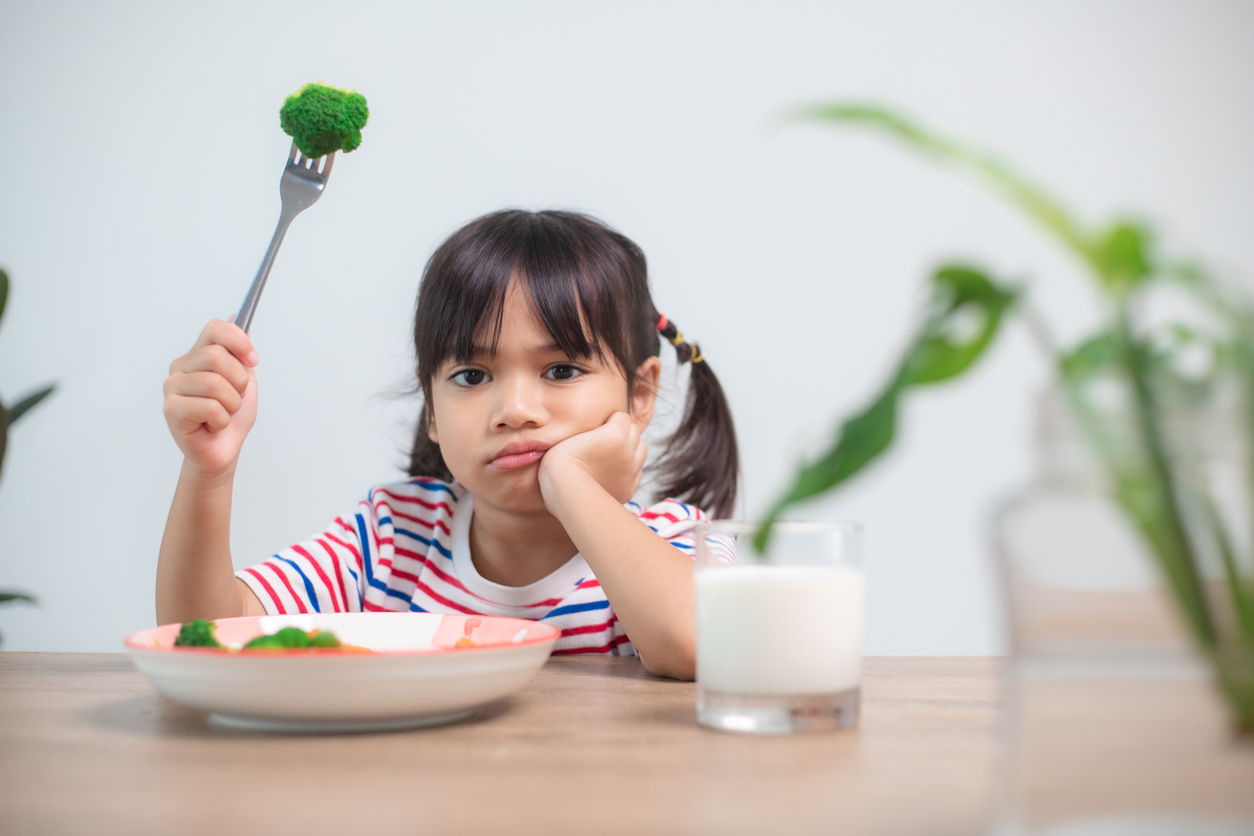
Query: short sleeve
(321,574)
(674,521)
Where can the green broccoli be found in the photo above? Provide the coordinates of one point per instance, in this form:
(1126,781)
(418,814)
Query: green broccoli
(323,638)
(323,119)
(285,638)
(198,633)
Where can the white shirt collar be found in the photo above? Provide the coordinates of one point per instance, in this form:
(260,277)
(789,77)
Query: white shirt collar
(556,584)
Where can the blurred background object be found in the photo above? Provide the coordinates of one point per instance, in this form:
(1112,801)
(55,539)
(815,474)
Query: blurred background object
(9,415)
(1128,566)
(793,256)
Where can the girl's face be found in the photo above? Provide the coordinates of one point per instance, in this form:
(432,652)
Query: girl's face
(495,416)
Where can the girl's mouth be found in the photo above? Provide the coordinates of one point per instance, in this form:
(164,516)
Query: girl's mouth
(519,454)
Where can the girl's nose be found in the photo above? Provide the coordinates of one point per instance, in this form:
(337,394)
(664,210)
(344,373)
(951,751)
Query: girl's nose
(521,404)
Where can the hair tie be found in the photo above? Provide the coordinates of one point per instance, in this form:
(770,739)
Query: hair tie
(686,352)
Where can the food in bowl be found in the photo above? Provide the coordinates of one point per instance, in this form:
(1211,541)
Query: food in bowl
(202,633)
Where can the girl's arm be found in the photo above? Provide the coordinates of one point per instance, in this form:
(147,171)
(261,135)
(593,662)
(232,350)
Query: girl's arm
(647,580)
(210,405)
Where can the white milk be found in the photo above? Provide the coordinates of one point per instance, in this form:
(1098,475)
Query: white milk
(779,629)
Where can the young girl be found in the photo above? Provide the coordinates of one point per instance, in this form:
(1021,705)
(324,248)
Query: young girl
(537,346)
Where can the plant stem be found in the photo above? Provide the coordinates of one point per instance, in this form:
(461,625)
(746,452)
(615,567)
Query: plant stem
(1161,518)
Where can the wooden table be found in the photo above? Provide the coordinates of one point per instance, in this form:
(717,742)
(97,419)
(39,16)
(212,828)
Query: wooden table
(592,745)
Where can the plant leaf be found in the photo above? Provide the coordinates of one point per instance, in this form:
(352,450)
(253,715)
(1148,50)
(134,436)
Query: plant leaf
(934,355)
(1033,200)
(940,353)
(1122,254)
(27,402)
(1098,353)
(4,291)
(7,595)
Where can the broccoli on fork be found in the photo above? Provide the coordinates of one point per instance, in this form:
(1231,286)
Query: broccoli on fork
(322,119)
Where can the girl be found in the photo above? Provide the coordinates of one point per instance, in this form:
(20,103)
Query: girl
(537,346)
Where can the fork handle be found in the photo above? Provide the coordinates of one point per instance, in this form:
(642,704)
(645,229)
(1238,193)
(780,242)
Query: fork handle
(244,319)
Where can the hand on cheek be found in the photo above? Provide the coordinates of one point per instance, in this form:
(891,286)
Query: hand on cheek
(612,455)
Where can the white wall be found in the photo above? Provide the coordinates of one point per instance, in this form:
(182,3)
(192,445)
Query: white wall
(139,156)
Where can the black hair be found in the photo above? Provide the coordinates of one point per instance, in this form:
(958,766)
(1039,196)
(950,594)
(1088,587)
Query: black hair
(578,273)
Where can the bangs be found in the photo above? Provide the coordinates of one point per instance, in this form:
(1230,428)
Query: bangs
(570,283)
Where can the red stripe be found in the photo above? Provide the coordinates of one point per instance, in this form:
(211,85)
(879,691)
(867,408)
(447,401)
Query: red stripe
(589,584)
(268,588)
(300,605)
(335,605)
(653,515)
(352,550)
(453,581)
(570,651)
(431,593)
(412,518)
(587,628)
(371,606)
(424,588)
(339,571)
(434,506)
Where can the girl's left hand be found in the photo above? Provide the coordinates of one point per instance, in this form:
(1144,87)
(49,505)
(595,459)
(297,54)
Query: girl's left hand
(613,455)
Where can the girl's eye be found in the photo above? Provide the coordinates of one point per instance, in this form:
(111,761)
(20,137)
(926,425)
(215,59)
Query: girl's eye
(563,371)
(470,377)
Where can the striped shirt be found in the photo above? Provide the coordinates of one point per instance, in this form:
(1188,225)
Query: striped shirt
(407,549)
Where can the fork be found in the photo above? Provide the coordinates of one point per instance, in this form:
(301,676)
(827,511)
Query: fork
(299,188)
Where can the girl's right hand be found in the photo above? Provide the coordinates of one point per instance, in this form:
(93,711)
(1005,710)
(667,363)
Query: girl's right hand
(211,397)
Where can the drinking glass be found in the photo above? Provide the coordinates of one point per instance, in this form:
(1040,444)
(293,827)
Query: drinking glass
(779,634)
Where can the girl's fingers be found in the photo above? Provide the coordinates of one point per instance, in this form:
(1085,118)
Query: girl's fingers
(189,413)
(205,385)
(231,337)
(213,358)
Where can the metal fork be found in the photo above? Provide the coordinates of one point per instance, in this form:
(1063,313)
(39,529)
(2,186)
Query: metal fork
(299,188)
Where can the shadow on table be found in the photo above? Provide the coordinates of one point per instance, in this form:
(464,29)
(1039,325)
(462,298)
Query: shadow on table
(158,716)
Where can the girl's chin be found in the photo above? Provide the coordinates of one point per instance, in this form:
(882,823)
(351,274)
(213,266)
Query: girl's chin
(510,490)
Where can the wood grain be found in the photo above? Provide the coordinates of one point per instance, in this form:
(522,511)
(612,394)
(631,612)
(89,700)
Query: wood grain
(590,745)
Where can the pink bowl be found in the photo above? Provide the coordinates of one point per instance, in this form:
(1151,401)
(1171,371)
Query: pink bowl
(417,674)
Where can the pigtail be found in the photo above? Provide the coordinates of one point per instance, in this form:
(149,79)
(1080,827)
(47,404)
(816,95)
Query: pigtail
(701,464)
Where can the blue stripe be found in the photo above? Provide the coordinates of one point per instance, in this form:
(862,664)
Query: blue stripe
(366,561)
(415,608)
(364,539)
(356,585)
(430,543)
(309,587)
(571,608)
(385,520)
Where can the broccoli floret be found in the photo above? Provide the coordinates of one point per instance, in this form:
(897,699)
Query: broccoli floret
(324,638)
(198,633)
(285,638)
(323,119)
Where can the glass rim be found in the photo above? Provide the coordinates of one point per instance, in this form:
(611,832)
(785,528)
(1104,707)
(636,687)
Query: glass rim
(731,526)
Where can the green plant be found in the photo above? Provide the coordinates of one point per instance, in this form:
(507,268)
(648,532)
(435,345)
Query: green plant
(323,119)
(1176,516)
(8,417)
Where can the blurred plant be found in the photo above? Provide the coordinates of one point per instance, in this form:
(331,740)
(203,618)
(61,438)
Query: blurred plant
(1157,489)
(8,417)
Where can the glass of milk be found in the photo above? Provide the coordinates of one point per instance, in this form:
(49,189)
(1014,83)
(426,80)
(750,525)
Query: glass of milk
(779,635)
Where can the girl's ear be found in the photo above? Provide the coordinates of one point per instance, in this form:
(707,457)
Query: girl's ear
(431,431)
(644,395)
